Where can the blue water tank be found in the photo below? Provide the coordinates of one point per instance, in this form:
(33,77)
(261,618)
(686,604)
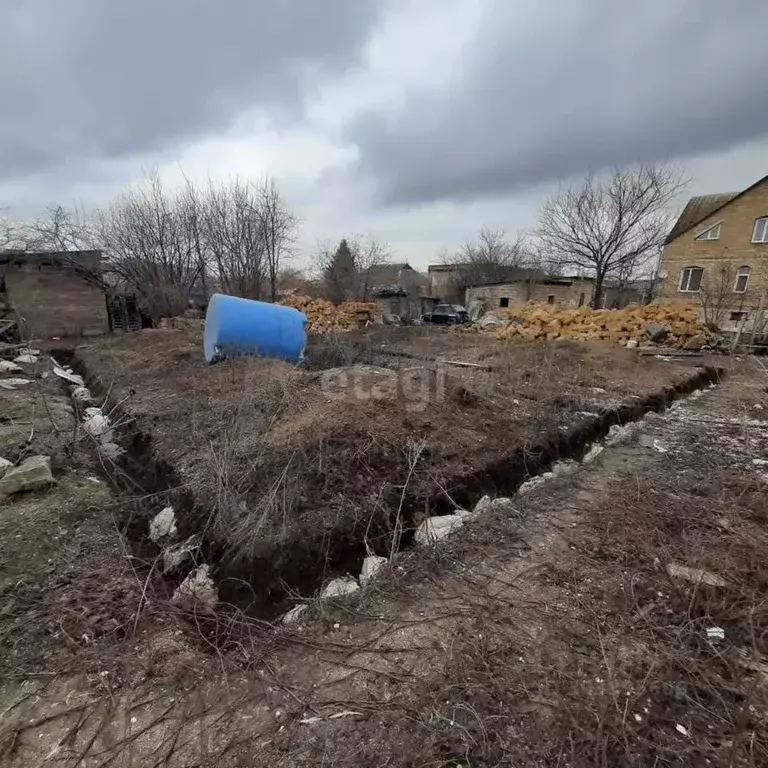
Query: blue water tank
(235,326)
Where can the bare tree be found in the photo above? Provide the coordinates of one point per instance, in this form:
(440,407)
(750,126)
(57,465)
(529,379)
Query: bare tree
(606,224)
(491,258)
(61,230)
(278,229)
(715,292)
(150,247)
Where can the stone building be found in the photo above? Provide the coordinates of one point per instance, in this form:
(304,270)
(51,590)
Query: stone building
(54,294)
(560,291)
(717,256)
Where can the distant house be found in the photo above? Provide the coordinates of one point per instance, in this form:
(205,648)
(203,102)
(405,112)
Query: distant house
(54,294)
(444,283)
(717,256)
(398,289)
(560,291)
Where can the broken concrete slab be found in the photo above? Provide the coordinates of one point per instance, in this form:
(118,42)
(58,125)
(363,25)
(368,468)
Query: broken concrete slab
(695,575)
(197,590)
(656,332)
(177,554)
(32,474)
(346,585)
(163,525)
(72,378)
(26,359)
(434,529)
(371,565)
(6,366)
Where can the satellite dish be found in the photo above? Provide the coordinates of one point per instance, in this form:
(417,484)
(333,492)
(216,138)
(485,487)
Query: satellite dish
(663,275)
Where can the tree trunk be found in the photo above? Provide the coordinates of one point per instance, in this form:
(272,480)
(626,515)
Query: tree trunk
(597,296)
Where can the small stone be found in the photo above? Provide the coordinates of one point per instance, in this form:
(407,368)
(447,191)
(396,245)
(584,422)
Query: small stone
(482,507)
(294,615)
(197,590)
(656,332)
(340,587)
(82,394)
(371,565)
(436,528)
(163,525)
(32,474)
(632,344)
(98,425)
(5,465)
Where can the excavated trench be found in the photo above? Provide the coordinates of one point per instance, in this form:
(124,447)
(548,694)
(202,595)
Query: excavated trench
(147,483)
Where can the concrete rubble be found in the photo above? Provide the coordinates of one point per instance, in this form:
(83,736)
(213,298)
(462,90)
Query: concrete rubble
(695,575)
(26,359)
(177,554)
(345,585)
(97,425)
(81,394)
(163,525)
(32,474)
(197,590)
(434,529)
(5,465)
(13,383)
(6,366)
(371,565)
(72,378)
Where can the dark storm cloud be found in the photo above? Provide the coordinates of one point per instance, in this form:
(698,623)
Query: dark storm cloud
(104,79)
(550,89)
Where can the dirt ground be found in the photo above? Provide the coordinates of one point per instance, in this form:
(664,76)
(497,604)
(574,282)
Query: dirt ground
(295,472)
(551,634)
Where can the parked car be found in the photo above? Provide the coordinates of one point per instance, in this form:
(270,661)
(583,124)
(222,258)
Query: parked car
(446,314)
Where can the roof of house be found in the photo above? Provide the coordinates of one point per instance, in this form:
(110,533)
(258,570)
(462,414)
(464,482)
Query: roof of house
(697,209)
(88,260)
(700,208)
(395,274)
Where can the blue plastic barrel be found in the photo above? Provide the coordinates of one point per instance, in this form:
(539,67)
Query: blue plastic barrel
(235,326)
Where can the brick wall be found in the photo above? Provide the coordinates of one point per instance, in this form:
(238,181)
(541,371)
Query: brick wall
(734,247)
(518,292)
(54,301)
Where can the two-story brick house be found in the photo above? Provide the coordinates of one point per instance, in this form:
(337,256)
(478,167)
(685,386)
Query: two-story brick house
(717,255)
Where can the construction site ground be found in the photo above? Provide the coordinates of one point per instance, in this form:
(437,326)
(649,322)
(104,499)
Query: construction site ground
(552,634)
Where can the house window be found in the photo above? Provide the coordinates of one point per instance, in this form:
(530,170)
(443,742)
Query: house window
(738,315)
(690,279)
(582,299)
(742,278)
(551,298)
(760,235)
(713,233)
(504,301)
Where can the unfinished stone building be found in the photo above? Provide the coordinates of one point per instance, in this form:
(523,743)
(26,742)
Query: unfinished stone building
(53,294)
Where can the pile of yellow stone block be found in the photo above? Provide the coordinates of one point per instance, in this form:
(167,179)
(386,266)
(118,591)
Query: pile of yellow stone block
(326,317)
(549,322)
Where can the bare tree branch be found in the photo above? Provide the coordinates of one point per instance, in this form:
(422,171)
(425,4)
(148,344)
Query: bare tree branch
(608,226)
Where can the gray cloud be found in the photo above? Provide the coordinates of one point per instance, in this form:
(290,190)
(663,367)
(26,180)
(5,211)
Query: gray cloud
(97,79)
(558,88)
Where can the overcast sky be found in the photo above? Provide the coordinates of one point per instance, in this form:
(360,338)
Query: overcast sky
(417,121)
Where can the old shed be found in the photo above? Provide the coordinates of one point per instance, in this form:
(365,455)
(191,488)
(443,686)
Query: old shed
(54,294)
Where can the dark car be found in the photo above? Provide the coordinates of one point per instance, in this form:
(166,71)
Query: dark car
(446,314)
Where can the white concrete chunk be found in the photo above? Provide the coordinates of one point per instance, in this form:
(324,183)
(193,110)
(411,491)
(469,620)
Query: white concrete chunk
(294,615)
(13,383)
(436,528)
(72,378)
(6,366)
(32,474)
(26,359)
(371,565)
(5,465)
(177,554)
(197,590)
(340,587)
(163,525)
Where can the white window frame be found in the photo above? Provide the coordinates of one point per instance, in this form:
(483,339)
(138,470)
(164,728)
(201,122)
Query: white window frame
(743,272)
(683,272)
(713,233)
(761,223)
